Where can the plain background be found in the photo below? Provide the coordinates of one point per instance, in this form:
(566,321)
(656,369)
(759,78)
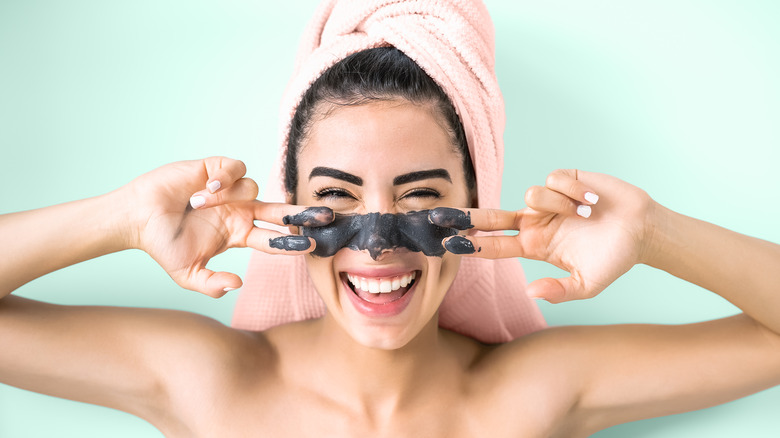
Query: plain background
(679,97)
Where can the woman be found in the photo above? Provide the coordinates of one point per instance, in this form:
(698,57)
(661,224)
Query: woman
(403,344)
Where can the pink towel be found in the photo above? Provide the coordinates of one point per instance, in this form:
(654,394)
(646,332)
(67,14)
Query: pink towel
(452,40)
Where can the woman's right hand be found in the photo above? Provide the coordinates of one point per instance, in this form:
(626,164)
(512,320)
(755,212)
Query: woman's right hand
(595,249)
(187,212)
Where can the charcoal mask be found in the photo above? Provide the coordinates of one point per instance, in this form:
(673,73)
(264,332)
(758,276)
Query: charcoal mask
(378,232)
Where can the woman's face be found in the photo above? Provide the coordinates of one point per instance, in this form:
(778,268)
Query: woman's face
(386,157)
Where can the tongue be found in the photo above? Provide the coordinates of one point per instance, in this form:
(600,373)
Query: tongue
(381,298)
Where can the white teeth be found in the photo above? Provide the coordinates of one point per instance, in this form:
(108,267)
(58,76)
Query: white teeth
(406,279)
(381,285)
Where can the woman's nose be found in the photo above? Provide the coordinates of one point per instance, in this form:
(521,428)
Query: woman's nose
(379,234)
(379,204)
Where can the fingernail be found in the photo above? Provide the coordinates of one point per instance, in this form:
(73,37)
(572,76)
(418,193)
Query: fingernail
(591,197)
(584,211)
(290,243)
(450,218)
(459,245)
(539,299)
(197,201)
(228,289)
(215,185)
(311,217)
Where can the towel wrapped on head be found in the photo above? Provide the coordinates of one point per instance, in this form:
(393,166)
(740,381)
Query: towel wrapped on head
(453,42)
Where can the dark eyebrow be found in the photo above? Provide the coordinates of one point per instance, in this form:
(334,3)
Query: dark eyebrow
(335,173)
(421,175)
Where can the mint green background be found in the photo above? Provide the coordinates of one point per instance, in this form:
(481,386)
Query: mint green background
(681,98)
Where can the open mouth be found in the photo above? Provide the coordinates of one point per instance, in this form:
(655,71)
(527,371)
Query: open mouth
(381,290)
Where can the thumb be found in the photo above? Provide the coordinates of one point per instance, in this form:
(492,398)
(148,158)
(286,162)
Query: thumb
(208,282)
(556,290)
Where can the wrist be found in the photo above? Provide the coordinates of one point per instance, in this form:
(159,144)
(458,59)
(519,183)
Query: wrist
(660,236)
(122,223)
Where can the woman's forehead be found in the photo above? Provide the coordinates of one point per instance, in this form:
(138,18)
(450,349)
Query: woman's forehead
(379,135)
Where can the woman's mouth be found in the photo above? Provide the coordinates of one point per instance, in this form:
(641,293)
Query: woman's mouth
(381,296)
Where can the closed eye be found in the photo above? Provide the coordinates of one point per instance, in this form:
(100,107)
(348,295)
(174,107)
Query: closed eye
(422,193)
(332,193)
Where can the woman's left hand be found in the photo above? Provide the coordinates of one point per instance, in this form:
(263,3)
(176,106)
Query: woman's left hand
(592,225)
(187,212)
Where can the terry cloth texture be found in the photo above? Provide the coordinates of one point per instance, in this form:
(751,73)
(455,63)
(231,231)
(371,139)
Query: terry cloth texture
(452,41)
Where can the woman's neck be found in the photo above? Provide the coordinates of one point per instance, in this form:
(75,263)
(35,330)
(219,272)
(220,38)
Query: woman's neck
(368,379)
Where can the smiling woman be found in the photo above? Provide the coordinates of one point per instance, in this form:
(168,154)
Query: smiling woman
(377,362)
(410,139)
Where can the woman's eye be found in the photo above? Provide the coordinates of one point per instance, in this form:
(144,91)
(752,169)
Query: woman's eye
(332,194)
(423,193)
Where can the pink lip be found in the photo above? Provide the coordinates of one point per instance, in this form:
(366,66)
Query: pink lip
(378,310)
(378,272)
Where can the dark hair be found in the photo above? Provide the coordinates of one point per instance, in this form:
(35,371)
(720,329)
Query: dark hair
(378,74)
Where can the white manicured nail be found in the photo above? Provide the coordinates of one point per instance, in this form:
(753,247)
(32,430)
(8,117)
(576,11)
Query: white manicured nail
(591,197)
(197,201)
(215,185)
(584,211)
(228,289)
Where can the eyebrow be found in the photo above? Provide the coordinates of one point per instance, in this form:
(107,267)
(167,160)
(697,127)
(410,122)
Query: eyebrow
(421,175)
(335,173)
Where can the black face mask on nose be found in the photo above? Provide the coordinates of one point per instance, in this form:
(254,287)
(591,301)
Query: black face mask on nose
(378,232)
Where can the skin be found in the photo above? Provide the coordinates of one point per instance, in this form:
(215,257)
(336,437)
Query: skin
(350,375)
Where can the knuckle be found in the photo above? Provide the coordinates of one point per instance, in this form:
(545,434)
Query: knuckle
(552,179)
(216,159)
(254,189)
(565,205)
(517,219)
(215,198)
(491,218)
(532,195)
(557,177)
(573,188)
(496,247)
(240,166)
(248,187)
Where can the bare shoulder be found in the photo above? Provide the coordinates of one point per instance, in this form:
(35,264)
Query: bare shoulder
(532,380)
(574,381)
(199,352)
(154,363)
(207,367)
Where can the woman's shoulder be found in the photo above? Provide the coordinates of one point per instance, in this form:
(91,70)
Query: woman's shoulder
(524,378)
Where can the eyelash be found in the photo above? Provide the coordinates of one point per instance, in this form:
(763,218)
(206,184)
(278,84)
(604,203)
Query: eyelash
(340,193)
(331,193)
(423,193)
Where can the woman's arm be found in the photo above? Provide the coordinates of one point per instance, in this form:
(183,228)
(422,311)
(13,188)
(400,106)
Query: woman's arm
(646,371)
(614,374)
(151,213)
(742,269)
(37,242)
(142,361)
